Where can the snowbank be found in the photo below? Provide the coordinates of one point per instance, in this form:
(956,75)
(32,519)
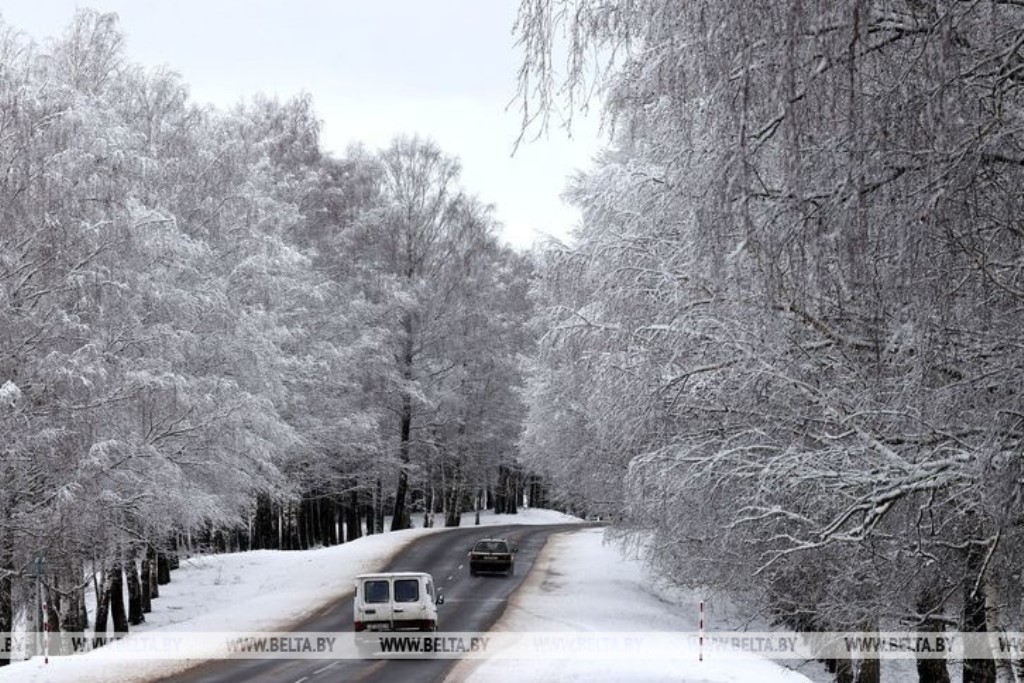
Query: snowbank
(581,585)
(263,590)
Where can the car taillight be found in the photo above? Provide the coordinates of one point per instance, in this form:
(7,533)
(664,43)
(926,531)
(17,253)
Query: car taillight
(359,626)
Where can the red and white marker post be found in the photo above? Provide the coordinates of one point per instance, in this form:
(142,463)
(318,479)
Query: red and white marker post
(700,634)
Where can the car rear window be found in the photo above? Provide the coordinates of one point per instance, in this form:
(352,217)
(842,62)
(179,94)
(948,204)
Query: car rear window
(407,590)
(376,591)
(491,547)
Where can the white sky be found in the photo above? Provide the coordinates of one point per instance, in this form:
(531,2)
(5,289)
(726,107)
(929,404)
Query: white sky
(443,69)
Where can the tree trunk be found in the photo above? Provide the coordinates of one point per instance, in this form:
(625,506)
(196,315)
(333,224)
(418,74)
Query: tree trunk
(353,526)
(146,579)
(869,671)
(73,615)
(974,617)
(102,609)
(135,608)
(330,520)
(506,491)
(117,610)
(321,523)
(930,670)
(1004,666)
(453,517)
(453,498)
(535,492)
(77,616)
(263,536)
(310,533)
(163,569)
(303,514)
(378,509)
(370,513)
(154,573)
(6,596)
(83,611)
(428,501)
(51,615)
(172,557)
(515,490)
(844,671)
(400,516)
(499,492)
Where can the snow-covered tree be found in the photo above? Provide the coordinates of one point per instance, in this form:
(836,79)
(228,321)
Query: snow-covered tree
(428,258)
(213,335)
(800,266)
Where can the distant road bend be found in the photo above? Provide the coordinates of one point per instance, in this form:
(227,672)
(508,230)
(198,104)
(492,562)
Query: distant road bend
(472,603)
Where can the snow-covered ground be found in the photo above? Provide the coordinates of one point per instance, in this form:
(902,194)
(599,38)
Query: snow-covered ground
(263,590)
(580,584)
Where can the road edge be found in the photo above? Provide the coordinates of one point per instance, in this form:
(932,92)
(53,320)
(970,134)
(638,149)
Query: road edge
(465,668)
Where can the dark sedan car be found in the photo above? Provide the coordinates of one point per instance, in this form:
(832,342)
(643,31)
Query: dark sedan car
(492,555)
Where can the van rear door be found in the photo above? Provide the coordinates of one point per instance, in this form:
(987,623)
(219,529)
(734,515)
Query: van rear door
(375,603)
(408,600)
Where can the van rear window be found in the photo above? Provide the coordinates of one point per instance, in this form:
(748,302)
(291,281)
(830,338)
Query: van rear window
(407,590)
(376,591)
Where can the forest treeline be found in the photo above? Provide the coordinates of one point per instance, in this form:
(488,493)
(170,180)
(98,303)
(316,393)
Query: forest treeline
(786,348)
(214,335)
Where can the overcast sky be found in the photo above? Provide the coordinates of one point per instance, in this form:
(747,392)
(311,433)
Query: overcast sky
(444,69)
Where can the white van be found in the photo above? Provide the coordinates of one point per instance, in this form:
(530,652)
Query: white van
(395,601)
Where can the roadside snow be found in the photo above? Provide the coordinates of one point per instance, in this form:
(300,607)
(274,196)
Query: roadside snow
(580,585)
(271,590)
(263,590)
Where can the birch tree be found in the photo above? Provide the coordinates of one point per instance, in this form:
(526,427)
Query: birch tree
(121,322)
(404,242)
(800,263)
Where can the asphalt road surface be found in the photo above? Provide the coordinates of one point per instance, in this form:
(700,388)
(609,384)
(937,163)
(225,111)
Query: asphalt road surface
(472,603)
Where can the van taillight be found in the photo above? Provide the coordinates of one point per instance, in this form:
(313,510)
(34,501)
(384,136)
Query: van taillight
(359,626)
